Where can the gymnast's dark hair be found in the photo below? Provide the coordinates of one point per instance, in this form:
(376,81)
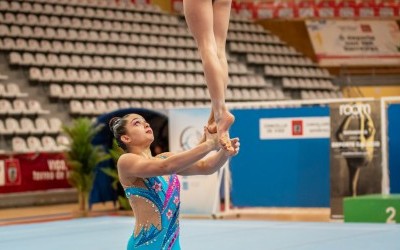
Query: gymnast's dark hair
(118,128)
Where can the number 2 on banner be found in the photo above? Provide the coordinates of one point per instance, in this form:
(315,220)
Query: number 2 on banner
(392,213)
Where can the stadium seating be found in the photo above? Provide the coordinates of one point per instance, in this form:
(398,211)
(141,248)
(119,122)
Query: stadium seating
(126,46)
(98,56)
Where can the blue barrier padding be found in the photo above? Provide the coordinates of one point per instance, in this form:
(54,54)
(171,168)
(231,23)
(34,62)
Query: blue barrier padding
(394,147)
(281,173)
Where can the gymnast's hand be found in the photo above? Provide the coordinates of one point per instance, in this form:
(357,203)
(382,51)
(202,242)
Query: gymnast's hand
(235,145)
(211,138)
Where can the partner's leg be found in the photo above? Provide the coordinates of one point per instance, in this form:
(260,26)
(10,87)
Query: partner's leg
(221,15)
(199,17)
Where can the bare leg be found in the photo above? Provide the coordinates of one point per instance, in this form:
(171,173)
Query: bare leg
(212,126)
(199,17)
(221,15)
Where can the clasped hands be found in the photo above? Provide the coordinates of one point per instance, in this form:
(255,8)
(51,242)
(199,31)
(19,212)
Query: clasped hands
(213,138)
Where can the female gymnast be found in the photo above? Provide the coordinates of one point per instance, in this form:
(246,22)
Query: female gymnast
(208,21)
(151,183)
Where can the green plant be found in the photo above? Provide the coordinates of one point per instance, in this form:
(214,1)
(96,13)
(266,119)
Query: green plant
(115,152)
(82,158)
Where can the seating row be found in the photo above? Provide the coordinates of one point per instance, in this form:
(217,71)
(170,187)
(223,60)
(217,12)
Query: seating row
(95,76)
(82,11)
(79,23)
(248,47)
(43,144)
(109,62)
(40,125)
(62,34)
(93,48)
(11,90)
(306,83)
(20,107)
(296,71)
(310,94)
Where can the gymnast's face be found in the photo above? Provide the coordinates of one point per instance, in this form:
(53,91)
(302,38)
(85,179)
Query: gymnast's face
(138,131)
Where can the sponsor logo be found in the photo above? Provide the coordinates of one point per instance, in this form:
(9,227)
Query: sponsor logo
(297,127)
(366,28)
(12,174)
(354,109)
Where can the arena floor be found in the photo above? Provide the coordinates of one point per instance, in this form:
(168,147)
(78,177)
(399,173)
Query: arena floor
(112,232)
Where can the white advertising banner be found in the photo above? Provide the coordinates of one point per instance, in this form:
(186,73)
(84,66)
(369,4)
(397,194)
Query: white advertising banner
(355,42)
(294,128)
(198,193)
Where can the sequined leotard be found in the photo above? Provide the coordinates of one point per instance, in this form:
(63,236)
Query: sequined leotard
(155,202)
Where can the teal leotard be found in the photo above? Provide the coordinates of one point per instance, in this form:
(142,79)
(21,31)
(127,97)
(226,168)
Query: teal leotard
(161,203)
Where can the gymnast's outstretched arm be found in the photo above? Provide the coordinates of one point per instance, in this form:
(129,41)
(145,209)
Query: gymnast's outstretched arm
(137,166)
(212,163)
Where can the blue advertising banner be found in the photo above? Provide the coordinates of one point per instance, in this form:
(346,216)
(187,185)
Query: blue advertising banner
(283,159)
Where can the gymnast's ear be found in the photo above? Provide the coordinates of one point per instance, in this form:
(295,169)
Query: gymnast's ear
(125,139)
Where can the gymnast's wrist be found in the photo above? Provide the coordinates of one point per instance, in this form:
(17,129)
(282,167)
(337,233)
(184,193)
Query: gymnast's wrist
(211,144)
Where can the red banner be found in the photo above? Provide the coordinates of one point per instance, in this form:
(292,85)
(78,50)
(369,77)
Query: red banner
(33,172)
(268,9)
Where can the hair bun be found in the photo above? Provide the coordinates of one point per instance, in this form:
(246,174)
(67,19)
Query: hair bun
(112,122)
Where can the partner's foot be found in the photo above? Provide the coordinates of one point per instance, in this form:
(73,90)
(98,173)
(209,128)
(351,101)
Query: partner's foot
(224,123)
(212,128)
